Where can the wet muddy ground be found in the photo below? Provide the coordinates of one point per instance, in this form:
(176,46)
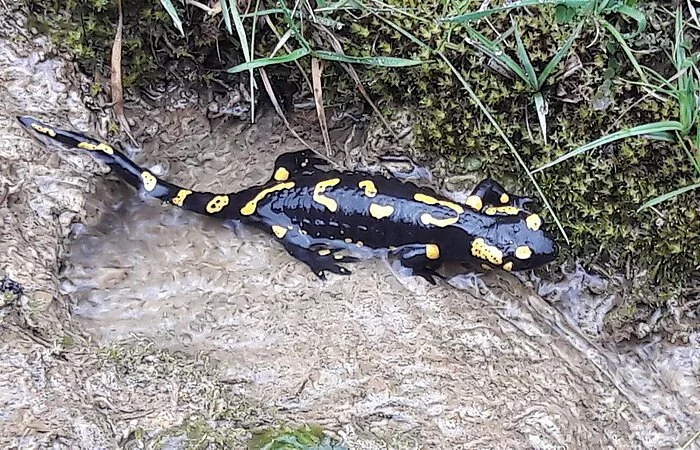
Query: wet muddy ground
(144,325)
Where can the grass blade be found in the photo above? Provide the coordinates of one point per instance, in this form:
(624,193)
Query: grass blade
(263,12)
(541,106)
(628,51)
(668,196)
(479,14)
(282,42)
(279,37)
(262,62)
(634,14)
(253,85)
(238,23)
(665,136)
(350,70)
(559,56)
(525,60)
(227,16)
(648,128)
(489,48)
(383,61)
(170,8)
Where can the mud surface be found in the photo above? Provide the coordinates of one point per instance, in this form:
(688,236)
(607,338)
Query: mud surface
(126,300)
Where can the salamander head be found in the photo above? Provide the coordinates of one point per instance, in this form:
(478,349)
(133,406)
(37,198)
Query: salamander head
(515,243)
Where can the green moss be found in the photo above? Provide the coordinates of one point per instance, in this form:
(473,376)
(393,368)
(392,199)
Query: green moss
(306,437)
(85,29)
(596,195)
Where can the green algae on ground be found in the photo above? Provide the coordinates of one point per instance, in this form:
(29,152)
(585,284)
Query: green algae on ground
(305,437)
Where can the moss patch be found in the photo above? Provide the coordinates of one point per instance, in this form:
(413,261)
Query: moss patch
(596,195)
(306,437)
(85,29)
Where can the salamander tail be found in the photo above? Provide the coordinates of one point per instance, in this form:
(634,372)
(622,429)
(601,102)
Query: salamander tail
(224,206)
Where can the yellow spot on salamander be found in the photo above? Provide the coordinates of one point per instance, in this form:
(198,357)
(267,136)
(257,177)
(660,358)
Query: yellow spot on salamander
(44,130)
(360,244)
(320,188)
(487,252)
(348,240)
(486,267)
(504,198)
(279,231)
(149,181)
(324,252)
(508,266)
(369,187)
(379,211)
(101,147)
(523,252)
(428,200)
(430,220)
(505,210)
(474,202)
(338,257)
(432,251)
(250,207)
(179,199)
(533,222)
(217,203)
(281,174)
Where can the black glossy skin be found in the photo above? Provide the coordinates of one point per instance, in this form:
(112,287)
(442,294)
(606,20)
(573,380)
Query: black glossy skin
(349,215)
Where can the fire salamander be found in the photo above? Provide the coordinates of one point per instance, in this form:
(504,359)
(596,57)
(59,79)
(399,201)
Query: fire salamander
(316,213)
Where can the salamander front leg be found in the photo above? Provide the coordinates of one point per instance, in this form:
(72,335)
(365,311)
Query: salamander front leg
(422,259)
(315,254)
(303,161)
(488,193)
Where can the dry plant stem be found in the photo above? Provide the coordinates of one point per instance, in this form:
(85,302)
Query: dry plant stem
(316,72)
(278,108)
(116,87)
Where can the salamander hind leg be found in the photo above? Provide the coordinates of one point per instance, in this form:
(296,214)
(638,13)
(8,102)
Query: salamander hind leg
(422,259)
(319,256)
